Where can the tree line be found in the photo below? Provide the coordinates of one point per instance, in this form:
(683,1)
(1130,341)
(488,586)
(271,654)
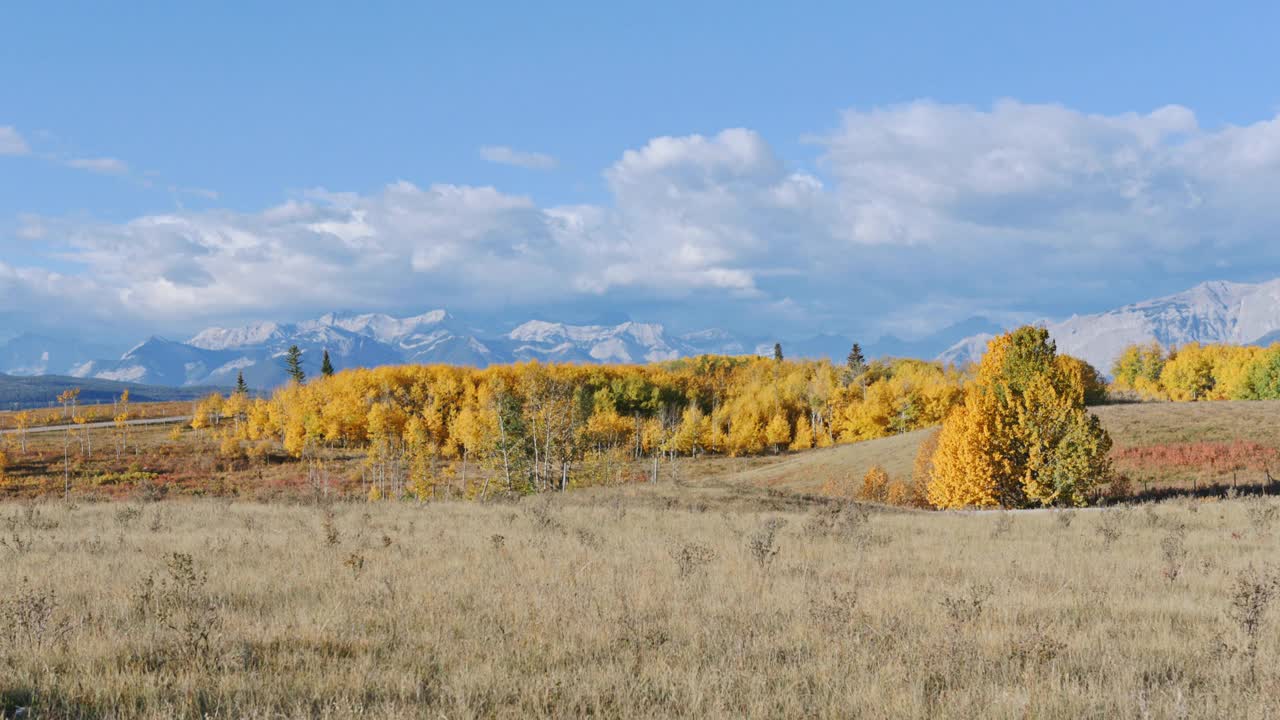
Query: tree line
(533,426)
(1196,372)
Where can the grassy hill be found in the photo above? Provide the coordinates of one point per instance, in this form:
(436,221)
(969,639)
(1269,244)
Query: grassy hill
(1156,445)
(18,392)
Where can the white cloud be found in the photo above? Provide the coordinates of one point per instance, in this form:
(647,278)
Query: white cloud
(503,155)
(100,165)
(12,142)
(925,214)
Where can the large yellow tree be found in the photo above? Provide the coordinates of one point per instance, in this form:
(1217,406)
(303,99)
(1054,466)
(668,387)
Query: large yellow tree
(1022,436)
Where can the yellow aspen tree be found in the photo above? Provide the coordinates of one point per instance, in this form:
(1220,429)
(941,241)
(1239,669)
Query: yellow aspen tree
(22,421)
(778,432)
(804,433)
(746,436)
(1188,375)
(965,467)
(1022,435)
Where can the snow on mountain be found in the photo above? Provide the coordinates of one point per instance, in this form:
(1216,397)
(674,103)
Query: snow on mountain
(383,328)
(157,361)
(216,338)
(1211,312)
(30,354)
(970,349)
(216,355)
(628,342)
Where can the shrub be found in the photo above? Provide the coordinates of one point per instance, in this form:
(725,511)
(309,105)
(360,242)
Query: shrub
(875,484)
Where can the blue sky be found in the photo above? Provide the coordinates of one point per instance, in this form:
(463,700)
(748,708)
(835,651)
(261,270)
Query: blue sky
(856,168)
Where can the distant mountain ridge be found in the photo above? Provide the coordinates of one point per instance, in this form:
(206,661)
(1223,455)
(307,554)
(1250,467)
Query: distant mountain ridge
(1211,312)
(214,356)
(18,392)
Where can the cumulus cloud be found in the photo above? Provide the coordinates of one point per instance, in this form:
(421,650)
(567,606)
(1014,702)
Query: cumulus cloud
(12,142)
(503,155)
(918,216)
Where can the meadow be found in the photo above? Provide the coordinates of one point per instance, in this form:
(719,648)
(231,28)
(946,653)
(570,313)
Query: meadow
(1164,449)
(641,601)
(147,575)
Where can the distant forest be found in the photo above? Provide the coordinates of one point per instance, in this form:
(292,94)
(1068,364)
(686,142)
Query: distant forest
(18,393)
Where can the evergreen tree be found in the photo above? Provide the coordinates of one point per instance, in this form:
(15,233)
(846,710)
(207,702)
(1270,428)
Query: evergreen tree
(856,362)
(242,387)
(777,352)
(326,367)
(293,364)
(854,365)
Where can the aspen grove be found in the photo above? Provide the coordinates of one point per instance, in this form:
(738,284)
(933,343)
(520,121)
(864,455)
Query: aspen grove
(534,427)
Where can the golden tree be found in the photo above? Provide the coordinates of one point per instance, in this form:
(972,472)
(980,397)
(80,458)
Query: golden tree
(778,432)
(1022,436)
(22,421)
(804,434)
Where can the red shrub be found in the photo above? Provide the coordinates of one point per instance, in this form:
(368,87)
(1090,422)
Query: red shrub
(1217,456)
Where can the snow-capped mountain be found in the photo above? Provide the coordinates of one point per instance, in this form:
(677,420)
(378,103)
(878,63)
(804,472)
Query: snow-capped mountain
(1238,313)
(970,349)
(1211,312)
(30,354)
(629,342)
(216,355)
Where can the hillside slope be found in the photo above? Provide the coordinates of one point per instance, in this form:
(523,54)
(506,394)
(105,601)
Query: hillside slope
(1136,425)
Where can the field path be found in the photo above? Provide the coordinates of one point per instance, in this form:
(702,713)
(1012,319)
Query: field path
(103,424)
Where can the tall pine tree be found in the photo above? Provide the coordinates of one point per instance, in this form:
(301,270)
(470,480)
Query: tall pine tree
(326,367)
(854,365)
(856,362)
(293,364)
(777,352)
(242,387)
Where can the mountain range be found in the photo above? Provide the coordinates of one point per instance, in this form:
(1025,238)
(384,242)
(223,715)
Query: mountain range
(1212,312)
(216,355)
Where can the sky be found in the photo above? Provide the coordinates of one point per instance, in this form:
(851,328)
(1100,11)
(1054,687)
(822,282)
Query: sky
(780,168)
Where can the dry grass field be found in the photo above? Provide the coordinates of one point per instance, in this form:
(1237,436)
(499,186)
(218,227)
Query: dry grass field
(156,464)
(1163,448)
(95,413)
(636,602)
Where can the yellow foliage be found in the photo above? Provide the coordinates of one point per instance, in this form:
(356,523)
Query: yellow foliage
(804,434)
(778,432)
(875,485)
(1022,435)
(966,467)
(906,493)
(535,426)
(231,447)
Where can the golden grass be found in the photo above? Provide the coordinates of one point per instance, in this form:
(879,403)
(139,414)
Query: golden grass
(1216,421)
(100,412)
(633,602)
